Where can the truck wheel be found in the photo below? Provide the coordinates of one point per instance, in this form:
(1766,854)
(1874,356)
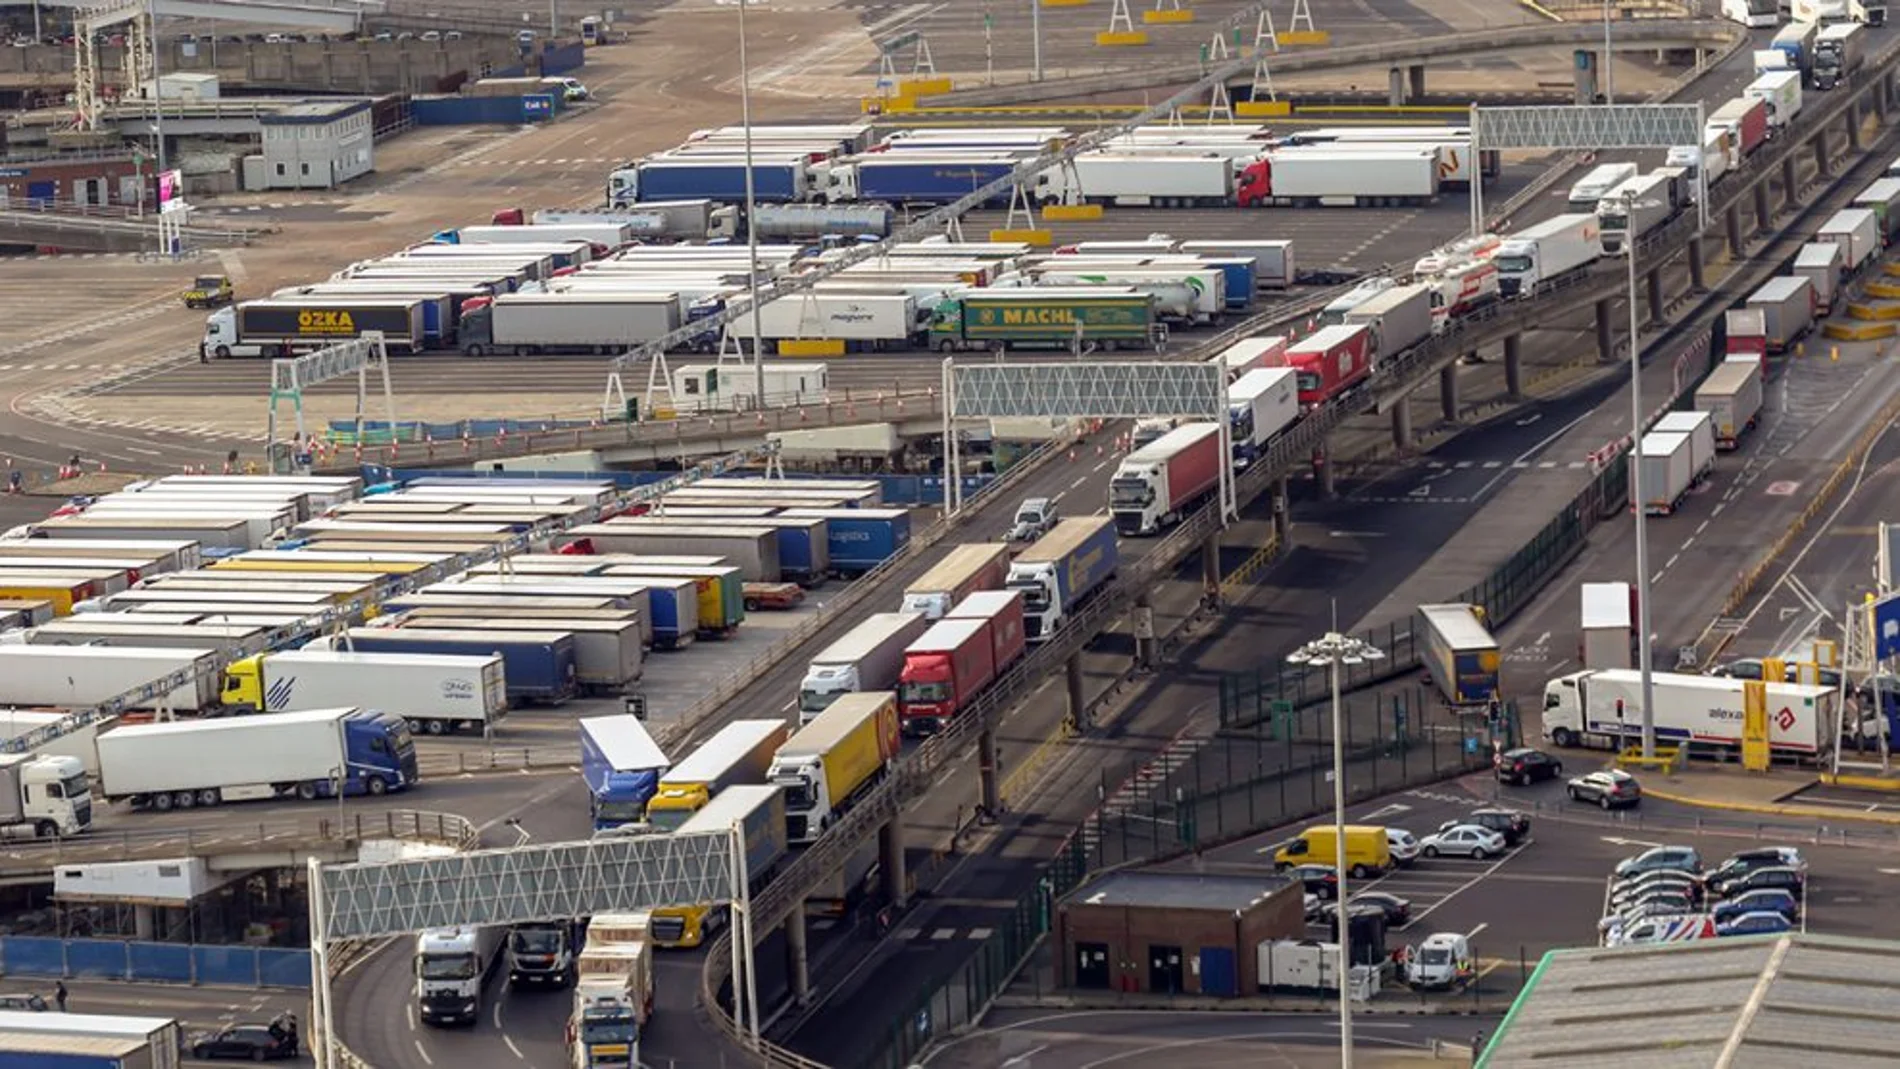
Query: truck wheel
(436,727)
(162,802)
(376,786)
(1564,737)
(185,799)
(222,352)
(45,829)
(307,791)
(946,347)
(209,797)
(471,350)
(415,726)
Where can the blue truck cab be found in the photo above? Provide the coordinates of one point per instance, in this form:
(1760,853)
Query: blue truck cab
(622,766)
(377,746)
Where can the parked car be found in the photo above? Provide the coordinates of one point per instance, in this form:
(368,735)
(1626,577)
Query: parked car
(1652,930)
(1525,766)
(1750,668)
(1770,899)
(1658,905)
(1315,907)
(1783,878)
(1511,824)
(1761,922)
(1671,858)
(1320,880)
(25,1002)
(1624,892)
(1610,788)
(1469,840)
(1402,845)
(256,1042)
(1397,910)
(1034,517)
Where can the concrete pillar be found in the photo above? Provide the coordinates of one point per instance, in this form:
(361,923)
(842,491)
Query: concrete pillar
(1514,366)
(1606,333)
(1402,425)
(986,771)
(1078,706)
(1790,181)
(1144,627)
(1822,163)
(1415,79)
(1448,392)
(1764,213)
(1395,86)
(1653,291)
(1695,265)
(890,861)
(144,923)
(1880,99)
(1732,223)
(1282,511)
(797,962)
(1583,76)
(1210,566)
(1323,468)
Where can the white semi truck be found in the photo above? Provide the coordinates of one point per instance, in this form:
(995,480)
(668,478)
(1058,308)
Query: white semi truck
(1704,713)
(867,657)
(46,796)
(452,967)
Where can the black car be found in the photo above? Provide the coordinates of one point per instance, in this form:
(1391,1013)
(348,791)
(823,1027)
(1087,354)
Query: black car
(256,1042)
(1506,822)
(1320,880)
(1740,865)
(1660,858)
(1525,766)
(1785,879)
(1397,910)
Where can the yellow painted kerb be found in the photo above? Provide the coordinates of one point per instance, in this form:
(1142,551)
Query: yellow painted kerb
(1782,809)
(1026,237)
(811,347)
(1072,212)
(1121,39)
(1263,109)
(1860,783)
(1168,15)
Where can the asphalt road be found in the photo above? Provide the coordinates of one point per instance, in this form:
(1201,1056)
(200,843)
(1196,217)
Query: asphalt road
(196,1009)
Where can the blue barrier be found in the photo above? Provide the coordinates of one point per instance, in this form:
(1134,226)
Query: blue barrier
(95,959)
(897,489)
(230,966)
(26,955)
(559,59)
(283,968)
(159,963)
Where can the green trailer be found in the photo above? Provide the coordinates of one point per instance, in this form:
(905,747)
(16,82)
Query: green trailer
(1046,319)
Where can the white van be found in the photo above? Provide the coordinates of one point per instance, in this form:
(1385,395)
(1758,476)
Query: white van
(1443,960)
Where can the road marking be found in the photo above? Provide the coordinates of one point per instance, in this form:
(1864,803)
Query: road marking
(145,452)
(1079,480)
(1615,841)
(512,1048)
(1473,933)
(409,1011)
(497,1015)
(980,934)
(424,1052)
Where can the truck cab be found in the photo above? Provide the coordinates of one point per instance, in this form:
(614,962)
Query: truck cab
(541,953)
(221,337)
(452,966)
(51,796)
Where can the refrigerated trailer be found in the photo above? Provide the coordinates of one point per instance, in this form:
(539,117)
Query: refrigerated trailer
(527,324)
(1140,181)
(189,763)
(1703,713)
(1462,654)
(1157,485)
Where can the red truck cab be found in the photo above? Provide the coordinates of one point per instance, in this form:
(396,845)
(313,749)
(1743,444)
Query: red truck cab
(943,671)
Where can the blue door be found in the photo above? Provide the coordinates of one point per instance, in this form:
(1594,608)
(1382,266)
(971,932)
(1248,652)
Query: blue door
(1217,972)
(42,191)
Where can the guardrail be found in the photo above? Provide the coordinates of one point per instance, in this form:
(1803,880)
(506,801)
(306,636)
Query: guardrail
(328,830)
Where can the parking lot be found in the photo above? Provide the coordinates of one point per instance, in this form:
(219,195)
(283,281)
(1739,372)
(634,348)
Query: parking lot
(1548,892)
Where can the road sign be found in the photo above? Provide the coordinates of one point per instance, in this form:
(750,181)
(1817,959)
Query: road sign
(1887,627)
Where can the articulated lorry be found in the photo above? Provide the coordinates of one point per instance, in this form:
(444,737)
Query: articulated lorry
(814,222)
(1787,306)
(613,992)
(1545,252)
(1398,318)
(1062,569)
(1049,319)
(1158,484)
(753,550)
(435,693)
(194,763)
(1002,610)
(44,795)
(963,571)
(1839,50)
(861,538)
(1857,232)
(1634,209)
(530,324)
(1323,176)
(1331,361)
(609,650)
(948,668)
(776,179)
(1704,713)
(741,752)
(1821,263)
(278,328)
(868,657)
(665,220)
(543,953)
(1140,181)
(915,177)
(1731,395)
(759,812)
(1668,470)
(862,321)
(830,761)
(1462,653)
(622,767)
(538,666)
(452,966)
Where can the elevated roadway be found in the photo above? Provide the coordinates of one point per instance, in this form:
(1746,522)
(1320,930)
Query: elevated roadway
(1404,53)
(100,233)
(329,16)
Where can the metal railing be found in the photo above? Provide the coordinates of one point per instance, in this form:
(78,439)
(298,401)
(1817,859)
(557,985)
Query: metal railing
(42,855)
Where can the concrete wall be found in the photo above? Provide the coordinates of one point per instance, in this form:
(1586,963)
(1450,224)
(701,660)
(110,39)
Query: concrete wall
(412,66)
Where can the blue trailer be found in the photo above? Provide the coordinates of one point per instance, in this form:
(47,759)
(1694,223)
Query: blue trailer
(622,766)
(759,810)
(1240,279)
(1460,653)
(858,540)
(898,178)
(539,666)
(721,179)
(1060,570)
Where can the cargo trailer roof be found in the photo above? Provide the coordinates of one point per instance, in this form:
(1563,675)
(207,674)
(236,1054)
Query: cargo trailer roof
(624,742)
(728,807)
(1459,626)
(712,758)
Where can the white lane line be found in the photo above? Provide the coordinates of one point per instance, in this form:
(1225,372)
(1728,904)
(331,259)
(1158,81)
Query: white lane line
(512,1048)
(425,1054)
(1473,933)
(409,1011)
(498,1015)
(1079,480)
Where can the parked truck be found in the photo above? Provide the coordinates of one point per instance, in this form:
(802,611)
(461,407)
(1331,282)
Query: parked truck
(753,550)
(740,752)
(194,763)
(944,672)
(869,657)
(1609,626)
(1787,306)
(775,179)
(861,538)
(1731,395)
(1857,232)
(1820,263)
(538,666)
(1061,570)
(436,694)
(1326,177)
(531,324)
(1260,404)
(963,571)
(1546,252)
(1702,713)
(1273,263)
(1028,318)
(915,177)
(609,649)
(1781,91)
(1140,181)
(1398,318)
(66,677)
(1460,653)
(276,328)
(44,795)
(832,760)
(622,767)
(1667,463)
(675,220)
(863,321)
(1839,50)
(1158,484)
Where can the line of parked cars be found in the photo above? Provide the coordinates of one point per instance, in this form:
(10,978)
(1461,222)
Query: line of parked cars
(1665,895)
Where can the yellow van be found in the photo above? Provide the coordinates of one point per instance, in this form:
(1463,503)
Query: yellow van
(1367,850)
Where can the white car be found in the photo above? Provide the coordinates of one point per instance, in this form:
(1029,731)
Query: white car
(1468,840)
(1402,844)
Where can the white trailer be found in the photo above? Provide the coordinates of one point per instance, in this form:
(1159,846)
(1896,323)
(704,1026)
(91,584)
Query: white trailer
(1781,91)
(1820,262)
(1196,294)
(1161,181)
(710,388)
(530,323)
(1273,266)
(1540,254)
(436,693)
(868,657)
(452,967)
(1261,404)
(1593,187)
(69,677)
(1700,427)
(607,233)
(1330,178)
(187,763)
(1609,626)
(1731,395)
(1713,153)
(1399,318)
(1857,232)
(1787,306)
(1627,213)
(876,322)
(1667,465)
(1704,713)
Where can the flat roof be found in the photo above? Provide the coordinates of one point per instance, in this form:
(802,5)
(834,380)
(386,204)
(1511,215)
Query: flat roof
(1175,891)
(1791,1000)
(314,111)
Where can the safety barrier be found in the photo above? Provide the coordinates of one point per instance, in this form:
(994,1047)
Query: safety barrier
(27,857)
(154,963)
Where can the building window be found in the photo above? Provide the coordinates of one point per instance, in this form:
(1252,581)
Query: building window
(304,169)
(280,170)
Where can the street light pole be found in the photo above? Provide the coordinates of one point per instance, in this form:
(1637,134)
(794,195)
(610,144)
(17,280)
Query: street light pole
(751,217)
(1609,64)
(1636,490)
(1335,651)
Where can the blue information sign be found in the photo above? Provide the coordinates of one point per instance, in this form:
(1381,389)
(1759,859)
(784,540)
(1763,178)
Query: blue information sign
(1887,626)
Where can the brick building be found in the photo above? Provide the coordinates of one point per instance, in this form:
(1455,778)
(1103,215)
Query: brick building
(1174,933)
(95,180)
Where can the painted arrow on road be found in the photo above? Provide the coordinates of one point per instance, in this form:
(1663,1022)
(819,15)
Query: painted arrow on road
(1614,841)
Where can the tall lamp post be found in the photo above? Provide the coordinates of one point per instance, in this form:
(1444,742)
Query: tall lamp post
(751,214)
(1336,651)
(1644,664)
